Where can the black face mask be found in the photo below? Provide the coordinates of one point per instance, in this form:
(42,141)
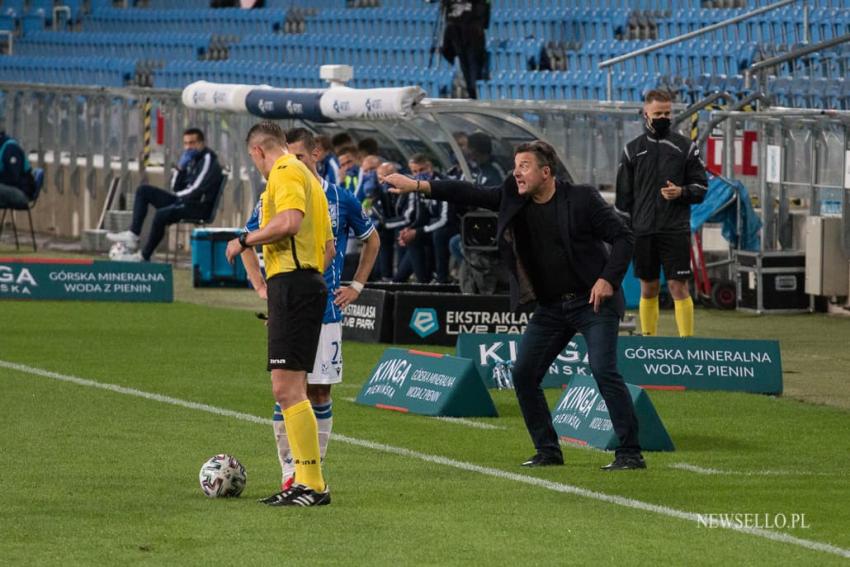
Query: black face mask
(660,126)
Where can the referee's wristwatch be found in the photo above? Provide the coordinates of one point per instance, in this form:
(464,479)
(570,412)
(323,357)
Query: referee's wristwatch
(242,238)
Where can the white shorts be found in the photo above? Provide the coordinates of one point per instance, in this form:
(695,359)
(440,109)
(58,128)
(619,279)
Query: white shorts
(328,366)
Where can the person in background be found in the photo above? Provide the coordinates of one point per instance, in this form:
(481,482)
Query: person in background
(195,182)
(485,170)
(368,147)
(659,177)
(442,224)
(328,165)
(464,38)
(339,141)
(17,184)
(368,176)
(383,207)
(349,168)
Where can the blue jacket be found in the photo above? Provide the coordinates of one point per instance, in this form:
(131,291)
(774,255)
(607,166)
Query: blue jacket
(199,180)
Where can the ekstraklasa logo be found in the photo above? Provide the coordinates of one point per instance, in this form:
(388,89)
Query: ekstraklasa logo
(424,321)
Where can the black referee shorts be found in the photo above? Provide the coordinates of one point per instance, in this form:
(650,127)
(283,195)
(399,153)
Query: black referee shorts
(296,310)
(673,251)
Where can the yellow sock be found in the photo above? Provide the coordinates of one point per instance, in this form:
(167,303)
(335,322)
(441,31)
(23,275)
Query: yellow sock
(649,316)
(303,436)
(684,309)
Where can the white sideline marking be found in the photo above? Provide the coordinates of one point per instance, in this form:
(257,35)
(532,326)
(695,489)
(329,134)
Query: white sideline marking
(709,471)
(468,422)
(457,420)
(436,459)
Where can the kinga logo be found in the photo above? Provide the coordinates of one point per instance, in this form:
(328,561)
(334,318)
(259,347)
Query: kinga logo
(16,282)
(424,321)
(22,277)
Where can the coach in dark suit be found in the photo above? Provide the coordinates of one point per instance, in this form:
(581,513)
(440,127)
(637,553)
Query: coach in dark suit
(552,236)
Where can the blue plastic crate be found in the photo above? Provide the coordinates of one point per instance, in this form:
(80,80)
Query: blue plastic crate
(210,267)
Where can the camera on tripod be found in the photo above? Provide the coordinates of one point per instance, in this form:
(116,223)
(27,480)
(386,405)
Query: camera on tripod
(478,231)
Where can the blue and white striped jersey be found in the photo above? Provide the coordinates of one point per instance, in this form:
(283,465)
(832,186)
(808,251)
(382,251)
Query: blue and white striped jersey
(347,215)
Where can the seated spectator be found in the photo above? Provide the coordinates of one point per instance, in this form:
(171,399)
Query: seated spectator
(17,185)
(383,207)
(442,224)
(341,140)
(462,140)
(328,165)
(368,168)
(349,167)
(416,255)
(368,147)
(485,170)
(194,183)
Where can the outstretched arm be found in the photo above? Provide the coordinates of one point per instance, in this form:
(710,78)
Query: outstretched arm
(460,192)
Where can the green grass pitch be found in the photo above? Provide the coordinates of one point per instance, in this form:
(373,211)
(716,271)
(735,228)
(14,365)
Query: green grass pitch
(99,477)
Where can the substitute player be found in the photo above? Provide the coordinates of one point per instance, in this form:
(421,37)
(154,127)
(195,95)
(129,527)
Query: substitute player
(295,231)
(346,216)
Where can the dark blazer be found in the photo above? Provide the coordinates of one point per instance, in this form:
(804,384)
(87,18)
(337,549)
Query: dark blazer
(586,222)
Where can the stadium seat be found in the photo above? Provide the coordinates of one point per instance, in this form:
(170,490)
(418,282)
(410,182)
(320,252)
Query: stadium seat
(38,176)
(183,223)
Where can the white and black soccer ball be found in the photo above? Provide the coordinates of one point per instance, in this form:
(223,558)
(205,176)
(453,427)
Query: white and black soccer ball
(223,476)
(118,250)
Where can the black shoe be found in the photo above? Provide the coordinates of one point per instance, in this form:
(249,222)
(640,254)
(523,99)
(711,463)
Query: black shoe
(272,498)
(541,460)
(626,462)
(299,495)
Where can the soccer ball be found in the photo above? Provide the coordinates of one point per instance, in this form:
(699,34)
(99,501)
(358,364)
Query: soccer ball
(222,476)
(118,250)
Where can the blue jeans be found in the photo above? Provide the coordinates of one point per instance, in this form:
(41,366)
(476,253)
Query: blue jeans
(456,247)
(548,333)
(441,238)
(169,209)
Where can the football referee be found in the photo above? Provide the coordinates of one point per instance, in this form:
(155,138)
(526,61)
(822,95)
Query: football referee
(295,231)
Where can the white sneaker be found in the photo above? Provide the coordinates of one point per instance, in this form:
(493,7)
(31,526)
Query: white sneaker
(134,257)
(128,237)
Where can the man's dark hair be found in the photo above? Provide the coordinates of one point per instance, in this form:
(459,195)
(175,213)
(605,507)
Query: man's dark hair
(543,152)
(420,159)
(302,135)
(341,139)
(269,131)
(658,95)
(348,149)
(368,146)
(194,132)
(324,142)
(480,143)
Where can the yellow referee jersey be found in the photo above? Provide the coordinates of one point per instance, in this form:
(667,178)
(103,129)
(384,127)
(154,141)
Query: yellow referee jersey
(292,186)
